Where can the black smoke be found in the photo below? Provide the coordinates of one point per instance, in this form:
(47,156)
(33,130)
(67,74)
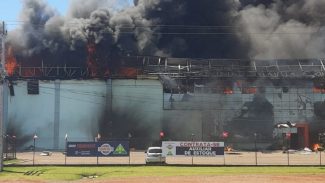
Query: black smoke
(291,29)
(182,28)
(201,28)
(257,116)
(319,109)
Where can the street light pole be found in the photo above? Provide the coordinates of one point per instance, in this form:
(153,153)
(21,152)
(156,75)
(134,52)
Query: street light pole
(3,33)
(192,153)
(224,136)
(34,147)
(129,137)
(288,146)
(98,139)
(66,148)
(255,136)
(320,152)
(290,125)
(14,140)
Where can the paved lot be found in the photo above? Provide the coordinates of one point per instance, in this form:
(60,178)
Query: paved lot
(232,158)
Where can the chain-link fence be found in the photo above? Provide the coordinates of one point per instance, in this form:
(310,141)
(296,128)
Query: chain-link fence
(9,151)
(232,156)
(138,158)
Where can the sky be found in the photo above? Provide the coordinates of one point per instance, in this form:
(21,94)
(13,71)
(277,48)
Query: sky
(10,9)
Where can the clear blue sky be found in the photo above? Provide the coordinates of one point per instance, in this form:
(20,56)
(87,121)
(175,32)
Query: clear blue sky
(10,9)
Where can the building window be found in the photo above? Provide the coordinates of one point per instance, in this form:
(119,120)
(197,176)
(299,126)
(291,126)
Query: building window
(33,87)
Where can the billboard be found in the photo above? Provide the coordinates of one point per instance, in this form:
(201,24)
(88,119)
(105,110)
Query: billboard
(98,149)
(190,148)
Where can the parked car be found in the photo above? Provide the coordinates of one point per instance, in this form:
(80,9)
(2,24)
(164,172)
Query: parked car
(154,155)
(46,153)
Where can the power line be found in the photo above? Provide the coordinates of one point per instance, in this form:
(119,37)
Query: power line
(204,33)
(15,22)
(126,97)
(145,98)
(236,29)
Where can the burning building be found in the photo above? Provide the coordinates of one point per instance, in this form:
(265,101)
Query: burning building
(134,71)
(178,96)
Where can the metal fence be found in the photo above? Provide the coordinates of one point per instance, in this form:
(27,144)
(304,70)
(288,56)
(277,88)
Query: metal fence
(9,151)
(232,157)
(138,158)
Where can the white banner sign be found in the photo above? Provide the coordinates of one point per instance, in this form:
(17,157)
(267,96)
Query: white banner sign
(189,148)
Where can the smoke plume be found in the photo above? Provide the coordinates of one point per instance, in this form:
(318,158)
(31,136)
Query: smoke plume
(284,29)
(263,29)
(107,29)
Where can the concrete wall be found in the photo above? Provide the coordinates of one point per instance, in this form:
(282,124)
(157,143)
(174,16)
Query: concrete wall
(139,108)
(81,102)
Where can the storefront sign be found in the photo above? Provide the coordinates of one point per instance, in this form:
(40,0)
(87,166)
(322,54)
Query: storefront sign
(188,148)
(101,149)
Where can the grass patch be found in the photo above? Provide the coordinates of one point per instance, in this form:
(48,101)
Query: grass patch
(61,173)
(10,162)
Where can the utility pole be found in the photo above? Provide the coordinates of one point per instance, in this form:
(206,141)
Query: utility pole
(3,33)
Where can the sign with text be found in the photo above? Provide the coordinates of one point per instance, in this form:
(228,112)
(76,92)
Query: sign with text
(100,149)
(189,148)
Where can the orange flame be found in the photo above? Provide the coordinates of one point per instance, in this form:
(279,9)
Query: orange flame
(128,72)
(318,90)
(249,90)
(11,62)
(91,63)
(91,48)
(316,147)
(228,149)
(29,72)
(228,91)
